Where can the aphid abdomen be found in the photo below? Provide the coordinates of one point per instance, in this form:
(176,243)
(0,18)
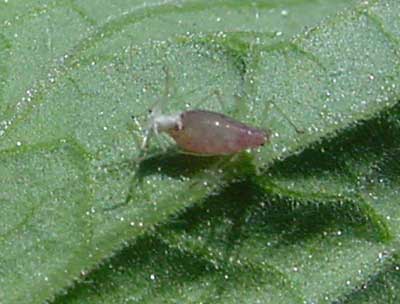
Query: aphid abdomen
(211,133)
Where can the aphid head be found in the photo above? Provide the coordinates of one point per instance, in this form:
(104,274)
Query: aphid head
(158,122)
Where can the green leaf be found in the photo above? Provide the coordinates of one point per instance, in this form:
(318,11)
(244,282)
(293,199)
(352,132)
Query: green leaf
(44,229)
(361,166)
(326,219)
(154,272)
(382,288)
(74,192)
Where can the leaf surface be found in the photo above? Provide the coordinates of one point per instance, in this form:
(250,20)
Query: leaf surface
(72,75)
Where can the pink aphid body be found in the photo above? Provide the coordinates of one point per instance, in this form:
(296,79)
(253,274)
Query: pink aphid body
(207,133)
(211,133)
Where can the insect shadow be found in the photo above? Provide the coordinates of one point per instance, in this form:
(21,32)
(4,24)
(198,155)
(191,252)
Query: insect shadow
(177,165)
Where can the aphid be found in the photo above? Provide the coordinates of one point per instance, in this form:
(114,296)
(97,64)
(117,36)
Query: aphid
(206,132)
(203,132)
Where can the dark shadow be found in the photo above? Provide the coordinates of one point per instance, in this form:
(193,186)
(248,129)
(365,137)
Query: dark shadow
(382,287)
(244,209)
(139,262)
(152,266)
(378,136)
(178,165)
(175,164)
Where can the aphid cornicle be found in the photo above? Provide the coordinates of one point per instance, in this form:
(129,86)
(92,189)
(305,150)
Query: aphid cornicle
(206,132)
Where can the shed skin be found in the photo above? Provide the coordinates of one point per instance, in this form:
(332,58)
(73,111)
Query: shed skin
(210,133)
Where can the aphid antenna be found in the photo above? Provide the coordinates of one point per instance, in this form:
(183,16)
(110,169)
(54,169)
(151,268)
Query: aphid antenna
(150,128)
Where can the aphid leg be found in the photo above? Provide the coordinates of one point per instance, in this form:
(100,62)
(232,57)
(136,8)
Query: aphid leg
(219,170)
(145,142)
(240,103)
(300,131)
(237,107)
(158,138)
(168,85)
(147,134)
(141,144)
(135,129)
(217,94)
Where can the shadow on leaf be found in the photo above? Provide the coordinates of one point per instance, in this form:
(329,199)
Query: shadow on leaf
(244,210)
